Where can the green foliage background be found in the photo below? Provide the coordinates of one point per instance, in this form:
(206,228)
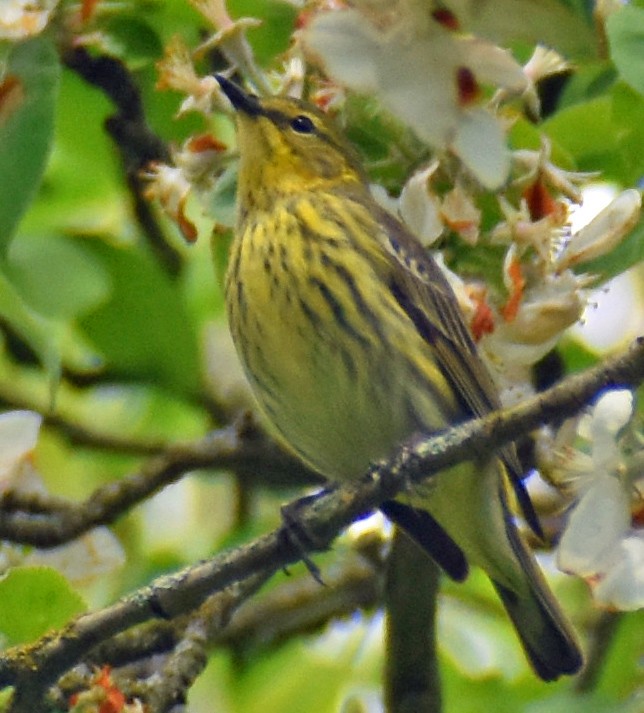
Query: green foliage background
(88,313)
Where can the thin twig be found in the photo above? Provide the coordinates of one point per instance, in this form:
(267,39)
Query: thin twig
(138,145)
(44,520)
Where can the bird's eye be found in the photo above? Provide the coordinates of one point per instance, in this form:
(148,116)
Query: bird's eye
(302,124)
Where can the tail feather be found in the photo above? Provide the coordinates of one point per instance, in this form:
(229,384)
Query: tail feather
(426,532)
(544,631)
(464,517)
(545,635)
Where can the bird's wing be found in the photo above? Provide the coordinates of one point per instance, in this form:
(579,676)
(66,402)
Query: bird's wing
(422,291)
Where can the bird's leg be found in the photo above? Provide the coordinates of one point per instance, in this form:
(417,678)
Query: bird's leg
(296,533)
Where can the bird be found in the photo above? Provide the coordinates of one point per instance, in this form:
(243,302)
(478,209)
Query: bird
(353,342)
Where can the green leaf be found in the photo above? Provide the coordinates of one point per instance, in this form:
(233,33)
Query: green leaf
(625,30)
(274,34)
(591,133)
(57,275)
(48,282)
(222,201)
(144,330)
(52,340)
(628,115)
(82,189)
(132,39)
(628,253)
(576,355)
(584,129)
(549,22)
(621,673)
(34,600)
(588,81)
(29,90)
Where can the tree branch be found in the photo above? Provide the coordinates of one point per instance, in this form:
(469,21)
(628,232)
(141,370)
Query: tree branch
(48,521)
(138,145)
(294,607)
(411,680)
(32,669)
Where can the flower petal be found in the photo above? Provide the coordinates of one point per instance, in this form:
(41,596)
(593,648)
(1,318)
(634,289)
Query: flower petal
(480,143)
(595,528)
(420,207)
(623,586)
(18,436)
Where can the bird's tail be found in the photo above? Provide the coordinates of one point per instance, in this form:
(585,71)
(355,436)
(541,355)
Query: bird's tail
(542,627)
(465,517)
(545,635)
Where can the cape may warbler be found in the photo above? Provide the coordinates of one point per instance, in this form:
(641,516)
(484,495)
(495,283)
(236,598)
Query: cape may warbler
(353,341)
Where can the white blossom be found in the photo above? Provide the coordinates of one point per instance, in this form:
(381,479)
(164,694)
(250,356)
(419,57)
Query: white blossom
(602,542)
(425,72)
(20,19)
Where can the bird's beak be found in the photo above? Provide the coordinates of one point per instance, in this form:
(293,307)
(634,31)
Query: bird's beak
(246,103)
